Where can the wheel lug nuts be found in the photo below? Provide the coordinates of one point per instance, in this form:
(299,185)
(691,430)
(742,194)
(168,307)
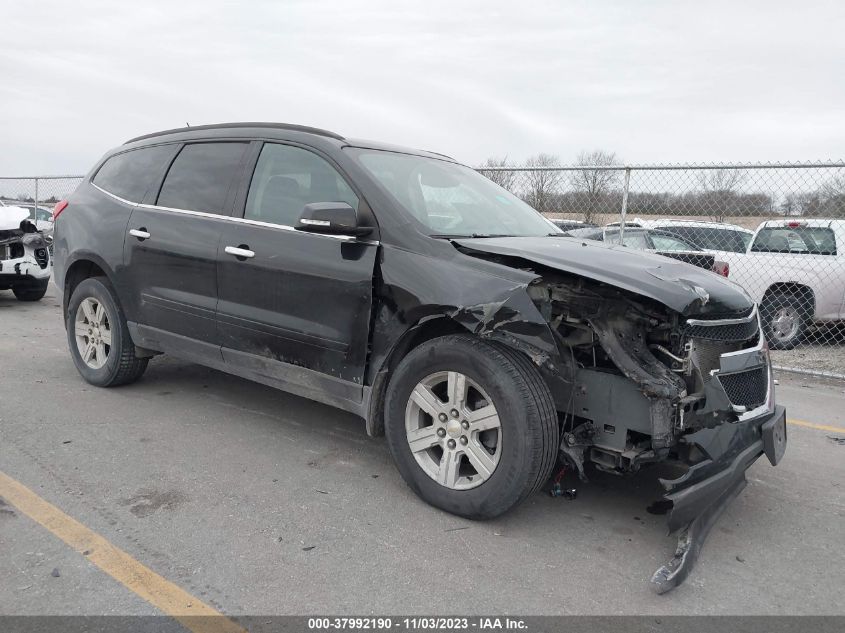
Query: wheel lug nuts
(442,417)
(454,413)
(451,443)
(441,432)
(465,424)
(464,440)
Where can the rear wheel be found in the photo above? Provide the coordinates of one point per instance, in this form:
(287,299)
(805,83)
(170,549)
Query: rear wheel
(31,292)
(98,336)
(471,425)
(785,320)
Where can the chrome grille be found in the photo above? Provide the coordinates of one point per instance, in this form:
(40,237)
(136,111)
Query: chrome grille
(747,388)
(727,333)
(733,328)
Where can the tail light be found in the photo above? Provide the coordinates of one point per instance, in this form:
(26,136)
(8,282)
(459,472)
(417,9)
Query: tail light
(60,206)
(721,268)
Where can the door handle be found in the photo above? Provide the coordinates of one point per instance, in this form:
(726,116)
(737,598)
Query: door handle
(242,252)
(142,233)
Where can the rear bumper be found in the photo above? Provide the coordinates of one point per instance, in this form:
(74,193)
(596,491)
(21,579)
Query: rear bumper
(700,496)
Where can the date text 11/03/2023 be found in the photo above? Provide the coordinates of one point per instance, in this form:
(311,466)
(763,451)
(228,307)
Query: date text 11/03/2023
(417,623)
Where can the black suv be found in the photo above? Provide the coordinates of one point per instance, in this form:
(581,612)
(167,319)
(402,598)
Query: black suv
(412,291)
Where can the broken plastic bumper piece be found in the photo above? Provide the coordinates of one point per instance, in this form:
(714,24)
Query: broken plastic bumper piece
(701,495)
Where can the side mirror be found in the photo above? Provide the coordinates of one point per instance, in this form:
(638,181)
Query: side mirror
(333,218)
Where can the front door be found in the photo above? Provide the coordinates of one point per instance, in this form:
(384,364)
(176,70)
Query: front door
(293,306)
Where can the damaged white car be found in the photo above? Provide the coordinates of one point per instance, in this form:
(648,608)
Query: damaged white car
(24,255)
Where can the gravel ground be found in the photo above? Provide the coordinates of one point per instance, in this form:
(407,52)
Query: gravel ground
(823,351)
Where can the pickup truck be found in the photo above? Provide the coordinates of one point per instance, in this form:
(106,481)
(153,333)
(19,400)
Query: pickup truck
(795,269)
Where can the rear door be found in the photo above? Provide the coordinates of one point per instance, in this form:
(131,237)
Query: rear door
(171,249)
(296,308)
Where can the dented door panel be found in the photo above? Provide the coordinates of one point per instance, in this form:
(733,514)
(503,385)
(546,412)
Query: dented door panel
(302,300)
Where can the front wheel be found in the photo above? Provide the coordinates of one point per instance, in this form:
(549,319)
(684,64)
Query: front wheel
(98,336)
(31,292)
(471,425)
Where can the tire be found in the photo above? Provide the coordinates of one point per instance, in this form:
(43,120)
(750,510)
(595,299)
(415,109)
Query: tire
(118,365)
(786,318)
(31,292)
(527,438)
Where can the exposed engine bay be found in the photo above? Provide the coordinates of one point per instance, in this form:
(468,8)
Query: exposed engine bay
(664,372)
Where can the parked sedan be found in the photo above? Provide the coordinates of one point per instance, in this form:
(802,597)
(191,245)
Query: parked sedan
(705,235)
(661,242)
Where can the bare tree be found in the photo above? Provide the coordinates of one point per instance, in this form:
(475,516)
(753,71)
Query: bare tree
(833,192)
(541,183)
(496,169)
(720,187)
(595,186)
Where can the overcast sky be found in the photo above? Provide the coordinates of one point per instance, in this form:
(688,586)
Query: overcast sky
(652,81)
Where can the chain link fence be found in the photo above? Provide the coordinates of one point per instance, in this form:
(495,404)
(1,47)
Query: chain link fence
(778,230)
(38,195)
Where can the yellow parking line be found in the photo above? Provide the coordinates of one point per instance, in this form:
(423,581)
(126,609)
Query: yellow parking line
(158,591)
(819,427)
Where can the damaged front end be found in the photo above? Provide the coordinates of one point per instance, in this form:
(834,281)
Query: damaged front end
(653,385)
(24,252)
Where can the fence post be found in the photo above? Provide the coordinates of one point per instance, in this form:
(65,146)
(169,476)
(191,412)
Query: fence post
(35,210)
(624,205)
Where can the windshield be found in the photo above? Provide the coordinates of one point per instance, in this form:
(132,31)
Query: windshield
(451,200)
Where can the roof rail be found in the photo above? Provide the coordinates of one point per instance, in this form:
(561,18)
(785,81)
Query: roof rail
(217,126)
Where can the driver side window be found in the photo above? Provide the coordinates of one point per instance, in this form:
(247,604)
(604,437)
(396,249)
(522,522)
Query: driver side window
(287,178)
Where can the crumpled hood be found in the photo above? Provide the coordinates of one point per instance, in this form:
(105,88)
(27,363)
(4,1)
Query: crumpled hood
(681,287)
(11,218)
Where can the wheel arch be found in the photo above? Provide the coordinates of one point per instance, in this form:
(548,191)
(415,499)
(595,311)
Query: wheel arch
(83,266)
(803,290)
(433,327)
(424,330)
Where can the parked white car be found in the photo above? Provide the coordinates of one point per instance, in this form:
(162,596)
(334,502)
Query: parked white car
(24,255)
(794,268)
(708,236)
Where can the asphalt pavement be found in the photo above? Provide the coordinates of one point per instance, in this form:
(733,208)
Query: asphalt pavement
(258,502)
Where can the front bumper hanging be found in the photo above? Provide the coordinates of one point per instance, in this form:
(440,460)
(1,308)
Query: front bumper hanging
(701,495)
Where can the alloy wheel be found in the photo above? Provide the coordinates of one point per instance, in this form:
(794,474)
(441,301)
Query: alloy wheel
(785,323)
(453,430)
(93,333)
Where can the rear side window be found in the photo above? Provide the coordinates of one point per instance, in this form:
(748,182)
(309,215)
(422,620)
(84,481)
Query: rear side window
(286,179)
(201,176)
(805,240)
(131,173)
